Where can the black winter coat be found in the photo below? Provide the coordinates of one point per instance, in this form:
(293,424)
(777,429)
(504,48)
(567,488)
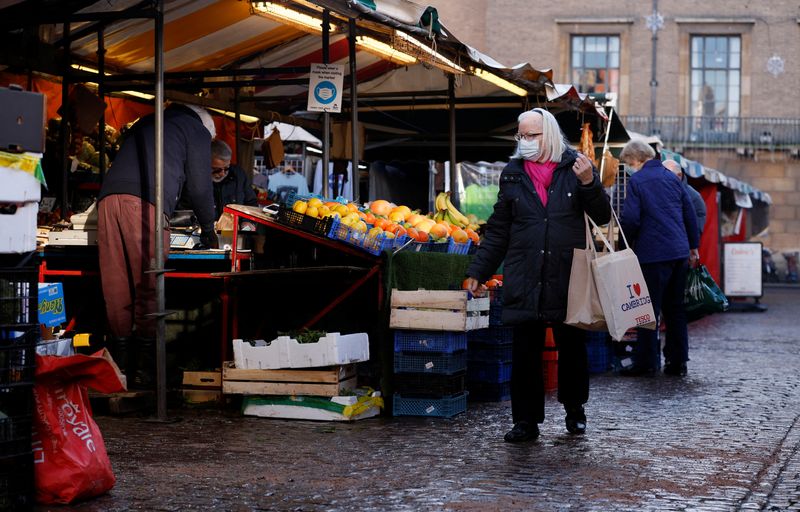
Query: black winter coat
(234,189)
(537,242)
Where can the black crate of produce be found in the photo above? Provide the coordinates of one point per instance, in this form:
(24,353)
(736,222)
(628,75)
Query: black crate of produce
(487,392)
(429,341)
(16,481)
(446,364)
(492,335)
(429,385)
(480,352)
(433,407)
(16,419)
(493,373)
(297,220)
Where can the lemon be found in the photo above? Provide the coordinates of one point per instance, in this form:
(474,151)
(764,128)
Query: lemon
(324,211)
(312,211)
(360,226)
(315,201)
(341,209)
(300,206)
(375,231)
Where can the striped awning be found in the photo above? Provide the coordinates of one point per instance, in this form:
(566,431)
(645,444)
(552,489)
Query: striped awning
(698,170)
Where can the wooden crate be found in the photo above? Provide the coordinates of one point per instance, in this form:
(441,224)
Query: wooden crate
(201,396)
(202,380)
(438,310)
(330,381)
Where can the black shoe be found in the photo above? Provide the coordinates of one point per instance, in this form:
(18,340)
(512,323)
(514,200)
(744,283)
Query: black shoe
(575,420)
(676,370)
(636,371)
(144,377)
(522,431)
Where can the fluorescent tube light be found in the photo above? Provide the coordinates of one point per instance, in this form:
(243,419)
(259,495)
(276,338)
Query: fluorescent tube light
(291,17)
(384,51)
(435,58)
(500,82)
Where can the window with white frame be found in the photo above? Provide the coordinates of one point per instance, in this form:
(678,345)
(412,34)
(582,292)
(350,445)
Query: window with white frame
(594,63)
(716,71)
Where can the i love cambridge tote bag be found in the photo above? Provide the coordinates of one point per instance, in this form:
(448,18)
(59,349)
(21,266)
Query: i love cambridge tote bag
(621,287)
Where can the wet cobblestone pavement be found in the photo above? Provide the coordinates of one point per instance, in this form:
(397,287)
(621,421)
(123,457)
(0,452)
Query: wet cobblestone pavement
(724,438)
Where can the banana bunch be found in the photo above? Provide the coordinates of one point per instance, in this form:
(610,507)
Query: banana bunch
(447,212)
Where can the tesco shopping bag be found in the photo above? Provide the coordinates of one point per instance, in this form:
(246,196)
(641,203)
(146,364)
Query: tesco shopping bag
(621,287)
(584,310)
(70,459)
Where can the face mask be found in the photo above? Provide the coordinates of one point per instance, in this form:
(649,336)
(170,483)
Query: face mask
(528,149)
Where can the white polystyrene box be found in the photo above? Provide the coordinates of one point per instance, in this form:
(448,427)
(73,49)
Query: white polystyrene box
(286,352)
(18,229)
(18,186)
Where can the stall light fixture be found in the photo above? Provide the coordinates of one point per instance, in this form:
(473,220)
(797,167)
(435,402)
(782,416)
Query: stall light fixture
(384,51)
(312,149)
(291,17)
(500,82)
(433,57)
(244,117)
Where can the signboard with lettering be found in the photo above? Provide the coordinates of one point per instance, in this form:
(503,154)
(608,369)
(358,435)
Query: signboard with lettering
(51,304)
(325,88)
(742,269)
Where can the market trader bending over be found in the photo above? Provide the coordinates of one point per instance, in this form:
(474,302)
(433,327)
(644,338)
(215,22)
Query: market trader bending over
(659,220)
(231,184)
(537,222)
(126,226)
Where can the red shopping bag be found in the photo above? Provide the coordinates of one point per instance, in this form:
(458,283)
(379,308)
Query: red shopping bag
(70,456)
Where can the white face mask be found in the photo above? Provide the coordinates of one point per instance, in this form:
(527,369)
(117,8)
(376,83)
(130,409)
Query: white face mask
(528,149)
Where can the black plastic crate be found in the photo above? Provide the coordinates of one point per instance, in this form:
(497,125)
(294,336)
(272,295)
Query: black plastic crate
(446,364)
(434,407)
(489,392)
(19,291)
(297,220)
(480,352)
(491,335)
(16,482)
(429,385)
(494,373)
(429,341)
(17,354)
(16,419)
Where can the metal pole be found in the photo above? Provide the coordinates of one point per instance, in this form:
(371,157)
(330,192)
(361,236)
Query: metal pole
(158,260)
(237,129)
(326,117)
(62,132)
(451,100)
(653,74)
(101,136)
(354,111)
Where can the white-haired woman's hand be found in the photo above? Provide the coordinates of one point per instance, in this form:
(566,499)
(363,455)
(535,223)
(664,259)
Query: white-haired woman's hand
(583,169)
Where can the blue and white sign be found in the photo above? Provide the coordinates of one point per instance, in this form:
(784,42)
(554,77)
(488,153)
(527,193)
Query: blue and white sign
(325,88)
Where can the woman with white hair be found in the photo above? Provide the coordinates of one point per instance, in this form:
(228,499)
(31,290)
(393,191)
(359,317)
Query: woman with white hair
(537,222)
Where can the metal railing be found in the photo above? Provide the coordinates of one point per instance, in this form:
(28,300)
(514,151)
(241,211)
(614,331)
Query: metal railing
(718,131)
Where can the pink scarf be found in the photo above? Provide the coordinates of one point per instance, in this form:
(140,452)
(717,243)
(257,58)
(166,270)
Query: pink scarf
(541,174)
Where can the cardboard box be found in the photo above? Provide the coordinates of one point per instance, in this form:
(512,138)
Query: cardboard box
(286,352)
(18,227)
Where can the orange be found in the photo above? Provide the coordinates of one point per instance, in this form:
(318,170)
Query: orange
(439,231)
(412,232)
(353,207)
(400,231)
(473,235)
(459,236)
(415,219)
(422,236)
(380,207)
(405,210)
(369,218)
(493,283)
(381,223)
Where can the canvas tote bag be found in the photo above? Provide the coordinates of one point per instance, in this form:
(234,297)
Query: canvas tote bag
(621,287)
(584,310)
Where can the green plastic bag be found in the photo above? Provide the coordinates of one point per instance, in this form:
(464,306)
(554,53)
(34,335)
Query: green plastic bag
(702,295)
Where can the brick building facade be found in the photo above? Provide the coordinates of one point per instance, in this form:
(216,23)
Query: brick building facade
(727,91)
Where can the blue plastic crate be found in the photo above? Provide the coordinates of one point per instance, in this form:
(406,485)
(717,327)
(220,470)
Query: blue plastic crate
(458,248)
(598,351)
(479,352)
(429,341)
(429,384)
(446,364)
(488,392)
(432,407)
(496,307)
(491,336)
(488,372)
(293,196)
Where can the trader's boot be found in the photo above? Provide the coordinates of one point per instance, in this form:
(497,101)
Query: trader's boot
(145,375)
(121,352)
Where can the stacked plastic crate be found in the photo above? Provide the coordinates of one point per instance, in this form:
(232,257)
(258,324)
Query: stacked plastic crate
(18,337)
(489,365)
(598,352)
(430,350)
